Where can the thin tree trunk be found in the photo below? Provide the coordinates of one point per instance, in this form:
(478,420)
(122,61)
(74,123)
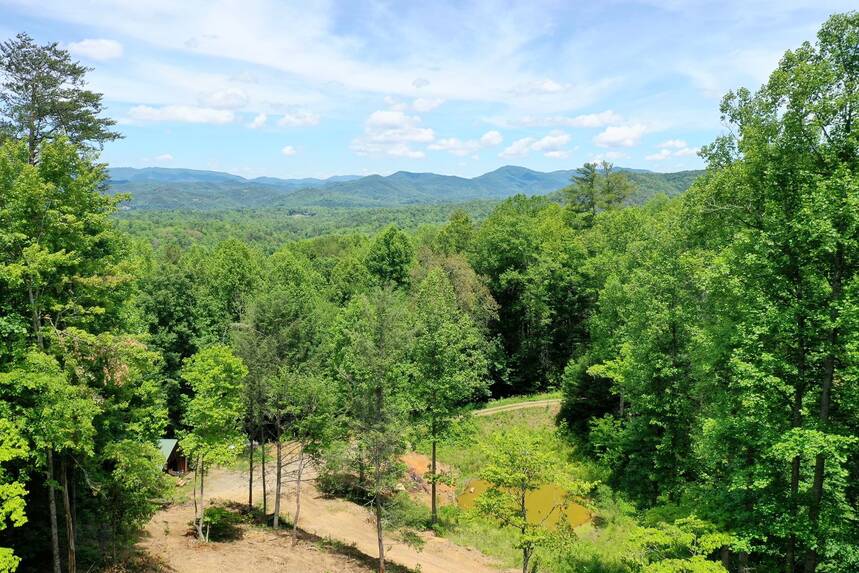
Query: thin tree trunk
(298,494)
(200,534)
(743,562)
(378,503)
(52,507)
(264,489)
(277,484)
(811,557)
(70,526)
(251,477)
(433,478)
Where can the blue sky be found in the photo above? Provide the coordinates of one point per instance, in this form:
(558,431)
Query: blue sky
(313,89)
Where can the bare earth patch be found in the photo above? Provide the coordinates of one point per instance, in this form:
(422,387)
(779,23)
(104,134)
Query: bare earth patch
(167,541)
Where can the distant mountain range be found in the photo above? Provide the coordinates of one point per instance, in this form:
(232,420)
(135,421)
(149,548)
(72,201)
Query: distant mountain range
(158,188)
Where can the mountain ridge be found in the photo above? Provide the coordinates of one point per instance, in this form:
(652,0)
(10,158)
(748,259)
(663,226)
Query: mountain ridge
(161,188)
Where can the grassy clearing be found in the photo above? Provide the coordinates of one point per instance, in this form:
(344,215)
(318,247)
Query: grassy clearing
(554,395)
(465,455)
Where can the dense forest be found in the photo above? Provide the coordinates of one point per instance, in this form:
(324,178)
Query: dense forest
(705,346)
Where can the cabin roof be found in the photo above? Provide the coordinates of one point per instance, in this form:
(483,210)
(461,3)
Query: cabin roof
(167,445)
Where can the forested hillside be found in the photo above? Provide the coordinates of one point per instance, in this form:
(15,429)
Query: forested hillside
(704,346)
(190,190)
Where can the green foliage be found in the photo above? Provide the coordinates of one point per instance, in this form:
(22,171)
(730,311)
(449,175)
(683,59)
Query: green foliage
(213,415)
(43,95)
(389,257)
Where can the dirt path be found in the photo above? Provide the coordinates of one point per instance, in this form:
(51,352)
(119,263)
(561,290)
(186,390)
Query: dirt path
(265,550)
(548,403)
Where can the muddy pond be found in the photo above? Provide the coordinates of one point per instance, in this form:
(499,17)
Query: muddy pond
(542,504)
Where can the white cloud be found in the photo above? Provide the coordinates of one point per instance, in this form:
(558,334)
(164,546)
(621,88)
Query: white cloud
(589,120)
(551,145)
(391,132)
(462,148)
(229,98)
(423,105)
(491,138)
(163,158)
(97,49)
(660,156)
(518,148)
(288,151)
(181,114)
(686,152)
(539,87)
(552,142)
(672,144)
(258,121)
(621,135)
(672,148)
(420,83)
(298,119)
(558,154)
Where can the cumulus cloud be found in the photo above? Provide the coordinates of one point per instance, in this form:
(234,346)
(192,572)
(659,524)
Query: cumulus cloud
(163,158)
(423,105)
(181,114)
(552,142)
(551,145)
(288,151)
(96,49)
(298,119)
(258,121)
(518,148)
(491,138)
(672,144)
(672,148)
(462,148)
(391,132)
(661,155)
(686,152)
(230,98)
(621,135)
(591,120)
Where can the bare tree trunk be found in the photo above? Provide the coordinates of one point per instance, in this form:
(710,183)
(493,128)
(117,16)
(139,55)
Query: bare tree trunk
(725,554)
(264,489)
(200,534)
(434,502)
(52,507)
(378,503)
(743,562)
(298,494)
(251,476)
(277,484)
(70,526)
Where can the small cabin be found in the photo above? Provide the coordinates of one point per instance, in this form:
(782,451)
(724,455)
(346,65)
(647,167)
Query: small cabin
(175,462)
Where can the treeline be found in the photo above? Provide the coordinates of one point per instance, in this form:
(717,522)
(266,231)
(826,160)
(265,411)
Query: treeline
(270,228)
(720,373)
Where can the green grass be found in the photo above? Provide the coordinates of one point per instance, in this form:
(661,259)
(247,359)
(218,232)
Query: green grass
(465,455)
(556,394)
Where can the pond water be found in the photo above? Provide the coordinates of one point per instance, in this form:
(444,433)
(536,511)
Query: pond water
(543,503)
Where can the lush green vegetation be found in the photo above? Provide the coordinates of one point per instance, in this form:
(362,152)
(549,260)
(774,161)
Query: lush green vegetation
(705,346)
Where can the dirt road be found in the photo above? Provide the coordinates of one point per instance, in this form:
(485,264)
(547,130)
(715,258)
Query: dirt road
(264,550)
